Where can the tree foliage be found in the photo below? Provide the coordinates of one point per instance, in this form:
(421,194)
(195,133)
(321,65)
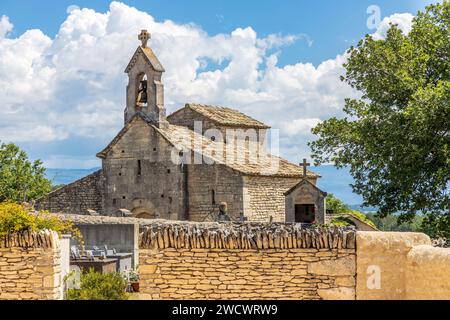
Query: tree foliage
(20,179)
(395,137)
(16,218)
(99,286)
(391,223)
(336,205)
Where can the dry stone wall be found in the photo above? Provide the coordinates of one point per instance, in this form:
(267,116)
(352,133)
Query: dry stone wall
(246,261)
(30,266)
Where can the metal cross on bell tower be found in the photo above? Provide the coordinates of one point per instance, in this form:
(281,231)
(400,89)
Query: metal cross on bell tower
(144,36)
(304,165)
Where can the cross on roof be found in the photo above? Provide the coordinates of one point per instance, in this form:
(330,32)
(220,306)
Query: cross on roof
(144,37)
(304,165)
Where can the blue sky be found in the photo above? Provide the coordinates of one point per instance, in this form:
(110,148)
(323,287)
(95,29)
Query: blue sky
(331,25)
(278,61)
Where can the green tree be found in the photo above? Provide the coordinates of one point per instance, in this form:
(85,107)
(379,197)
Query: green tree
(395,138)
(336,205)
(391,223)
(20,179)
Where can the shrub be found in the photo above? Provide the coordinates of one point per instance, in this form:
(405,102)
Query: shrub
(99,286)
(16,218)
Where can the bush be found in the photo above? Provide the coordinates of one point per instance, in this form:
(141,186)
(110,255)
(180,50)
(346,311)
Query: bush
(16,218)
(98,286)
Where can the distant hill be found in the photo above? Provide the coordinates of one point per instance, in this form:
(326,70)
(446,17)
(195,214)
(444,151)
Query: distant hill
(332,181)
(66,176)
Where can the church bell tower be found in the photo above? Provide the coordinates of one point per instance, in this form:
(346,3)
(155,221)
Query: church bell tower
(145,92)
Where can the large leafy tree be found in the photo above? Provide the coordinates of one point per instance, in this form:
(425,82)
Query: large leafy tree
(395,137)
(20,179)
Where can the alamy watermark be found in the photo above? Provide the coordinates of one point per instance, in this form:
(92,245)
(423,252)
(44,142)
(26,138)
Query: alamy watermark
(374,19)
(373,277)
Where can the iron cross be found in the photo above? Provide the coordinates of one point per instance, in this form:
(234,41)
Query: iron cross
(304,165)
(144,37)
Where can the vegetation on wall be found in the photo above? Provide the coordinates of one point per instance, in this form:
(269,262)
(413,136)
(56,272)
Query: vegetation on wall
(17,218)
(20,179)
(395,138)
(337,206)
(99,286)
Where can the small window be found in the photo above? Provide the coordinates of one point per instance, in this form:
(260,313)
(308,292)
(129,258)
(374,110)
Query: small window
(213,138)
(213,196)
(162,196)
(139,170)
(124,197)
(154,149)
(168,171)
(120,173)
(114,201)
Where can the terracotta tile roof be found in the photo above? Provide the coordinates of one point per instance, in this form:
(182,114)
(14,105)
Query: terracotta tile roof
(226,116)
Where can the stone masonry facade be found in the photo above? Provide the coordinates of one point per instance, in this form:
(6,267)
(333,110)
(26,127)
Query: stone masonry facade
(30,267)
(247,261)
(257,191)
(76,197)
(301,274)
(208,185)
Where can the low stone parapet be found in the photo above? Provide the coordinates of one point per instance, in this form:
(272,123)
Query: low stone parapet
(30,266)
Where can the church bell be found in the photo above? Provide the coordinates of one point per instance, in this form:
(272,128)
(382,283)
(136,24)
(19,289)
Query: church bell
(142,94)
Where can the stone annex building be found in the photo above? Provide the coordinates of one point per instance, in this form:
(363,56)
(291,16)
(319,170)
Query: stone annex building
(151,169)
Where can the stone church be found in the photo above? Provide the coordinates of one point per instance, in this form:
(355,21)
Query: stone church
(182,166)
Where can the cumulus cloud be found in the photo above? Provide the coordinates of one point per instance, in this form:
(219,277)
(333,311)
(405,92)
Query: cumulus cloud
(402,20)
(5,26)
(71,88)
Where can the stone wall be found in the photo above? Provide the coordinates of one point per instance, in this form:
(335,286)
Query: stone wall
(208,185)
(264,197)
(246,261)
(401,265)
(428,273)
(75,198)
(140,175)
(30,267)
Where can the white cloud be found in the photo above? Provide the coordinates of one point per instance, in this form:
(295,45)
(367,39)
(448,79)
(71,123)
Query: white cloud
(72,87)
(297,126)
(22,132)
(5,26)
(402,20)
